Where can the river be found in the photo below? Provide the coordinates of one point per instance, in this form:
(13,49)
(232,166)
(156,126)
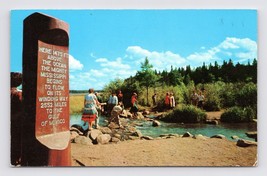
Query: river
(146,128)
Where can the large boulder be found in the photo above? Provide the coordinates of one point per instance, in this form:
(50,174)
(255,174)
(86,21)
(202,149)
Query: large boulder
(137,133)
(252,134)
(234,137)
(212,122)
(245,143)
(117,135)
(83,140)
(218,136)
(94,133)
(200,136)
(105,130)
(187,134)
(103,139)
(155,123)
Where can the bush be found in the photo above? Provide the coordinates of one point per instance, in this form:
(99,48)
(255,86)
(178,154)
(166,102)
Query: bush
(212,95)
(228,94)
(238,114)
(247,96)
(185,114)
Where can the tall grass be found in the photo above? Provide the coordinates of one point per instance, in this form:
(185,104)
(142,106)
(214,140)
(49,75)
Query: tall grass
(76,103)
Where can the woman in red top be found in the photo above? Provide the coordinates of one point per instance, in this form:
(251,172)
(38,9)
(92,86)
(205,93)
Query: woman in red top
(167,101)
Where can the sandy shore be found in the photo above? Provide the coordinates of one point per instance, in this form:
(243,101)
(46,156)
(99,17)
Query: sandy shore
(165,152)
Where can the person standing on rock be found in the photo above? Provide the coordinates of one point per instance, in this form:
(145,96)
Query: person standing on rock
(112,101)
(90,112)
(115,113)
(134,107)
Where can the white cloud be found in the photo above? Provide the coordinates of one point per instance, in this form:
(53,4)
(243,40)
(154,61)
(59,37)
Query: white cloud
(234,48)
(101,60)
(82,81)
(116,64)
(137,51)
(159,60)
(74,64)
(97,73)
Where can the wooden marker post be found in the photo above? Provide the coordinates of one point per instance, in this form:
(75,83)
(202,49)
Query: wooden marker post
(45,136)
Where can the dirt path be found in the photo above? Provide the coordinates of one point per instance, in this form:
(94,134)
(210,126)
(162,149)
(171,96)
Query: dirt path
(165,152)
(214,115)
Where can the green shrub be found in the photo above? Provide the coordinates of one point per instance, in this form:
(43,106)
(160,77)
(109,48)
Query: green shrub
(212,95)
(238,114)
(228,95)
(185,114)
(247,96)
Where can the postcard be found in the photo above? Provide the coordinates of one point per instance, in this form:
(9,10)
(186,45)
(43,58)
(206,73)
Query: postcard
(135,88)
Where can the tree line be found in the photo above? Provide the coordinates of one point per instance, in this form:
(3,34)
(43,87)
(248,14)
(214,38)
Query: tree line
(183,78)
(227,72)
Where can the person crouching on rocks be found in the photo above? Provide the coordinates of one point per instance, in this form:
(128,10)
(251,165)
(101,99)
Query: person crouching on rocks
(115,113)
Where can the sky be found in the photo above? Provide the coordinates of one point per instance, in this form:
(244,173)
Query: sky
(110,44)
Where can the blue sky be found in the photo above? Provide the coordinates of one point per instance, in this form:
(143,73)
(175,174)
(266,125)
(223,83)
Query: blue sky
(109,44)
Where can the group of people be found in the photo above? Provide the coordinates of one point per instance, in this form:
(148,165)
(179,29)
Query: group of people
(197,99)
(169,101)
(93,106)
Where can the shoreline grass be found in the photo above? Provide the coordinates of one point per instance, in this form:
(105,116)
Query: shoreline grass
(76,103)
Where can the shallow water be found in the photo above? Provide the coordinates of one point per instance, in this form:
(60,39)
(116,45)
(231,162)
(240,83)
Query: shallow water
(228,130)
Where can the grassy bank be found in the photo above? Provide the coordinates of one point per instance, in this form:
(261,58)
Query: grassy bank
(76,103)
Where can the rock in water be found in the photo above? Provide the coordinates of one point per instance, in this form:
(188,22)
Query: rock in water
(137,133)
(155,123)
(235,137)
(200,136)
(187,134)
(219,136)
(252,134)
(245,143)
